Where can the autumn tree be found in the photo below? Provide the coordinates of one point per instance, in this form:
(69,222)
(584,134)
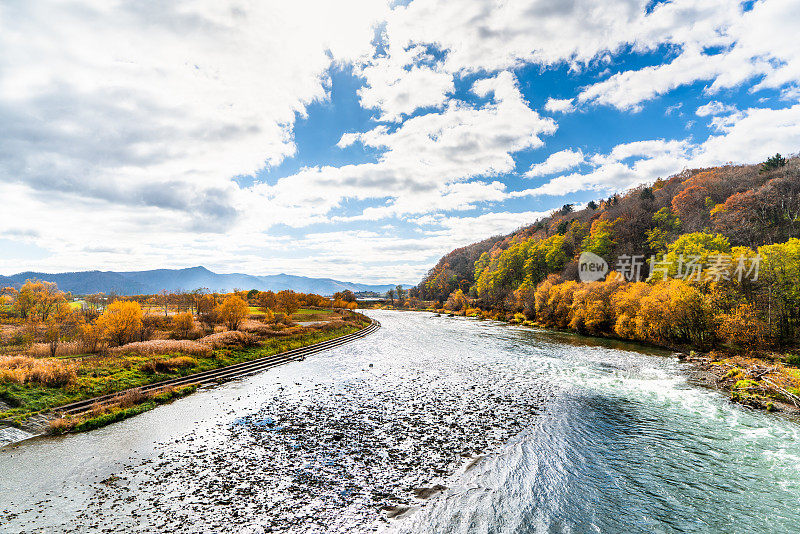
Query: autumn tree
(346,296)
(206,310)
(288,302)
(456,301)
(697,247)
(61,321)
(233,311)
(400,294)
(666,225)
(600,240)
(692,207)
(38,300)
(183,324)
(121,321)
(743,328)
(267,301)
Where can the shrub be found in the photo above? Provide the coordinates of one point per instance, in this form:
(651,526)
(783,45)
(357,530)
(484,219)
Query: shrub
(743,328)
(62,425)
(129,398)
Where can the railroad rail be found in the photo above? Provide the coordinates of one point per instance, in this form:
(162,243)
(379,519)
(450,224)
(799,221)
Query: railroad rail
(216,376)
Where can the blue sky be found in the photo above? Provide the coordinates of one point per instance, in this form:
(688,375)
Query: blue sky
(360,140)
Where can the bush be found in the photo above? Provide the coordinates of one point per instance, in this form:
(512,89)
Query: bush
(129,398)
(744,329)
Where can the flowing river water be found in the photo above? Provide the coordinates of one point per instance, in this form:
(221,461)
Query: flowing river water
(432,424)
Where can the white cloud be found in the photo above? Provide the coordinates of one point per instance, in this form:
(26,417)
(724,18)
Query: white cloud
(745,137)
(556,162)
(127,123)
(714,108)
(760,42)
(162,104)
(755,135)
(426,157)
(398,85)
(559,105)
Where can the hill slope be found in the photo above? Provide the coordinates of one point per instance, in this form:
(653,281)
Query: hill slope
(745,203)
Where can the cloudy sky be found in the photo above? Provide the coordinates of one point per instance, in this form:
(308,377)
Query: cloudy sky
(361,140)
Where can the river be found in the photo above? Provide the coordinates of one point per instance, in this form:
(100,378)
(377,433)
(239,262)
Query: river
(432,424)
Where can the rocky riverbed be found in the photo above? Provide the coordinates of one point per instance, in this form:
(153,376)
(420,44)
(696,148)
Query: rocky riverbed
(330,457)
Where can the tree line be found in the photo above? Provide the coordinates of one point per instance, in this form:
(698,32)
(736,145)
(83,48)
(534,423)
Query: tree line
(716,215)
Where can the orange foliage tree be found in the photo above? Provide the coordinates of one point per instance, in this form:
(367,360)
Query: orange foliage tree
(121,321)
(288,301)
(233,311)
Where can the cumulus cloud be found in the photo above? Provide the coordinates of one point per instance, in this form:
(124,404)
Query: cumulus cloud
(746,45)
(714,108)
(162,104)
(556,162)
(743,137)
(427,158)
(559,105)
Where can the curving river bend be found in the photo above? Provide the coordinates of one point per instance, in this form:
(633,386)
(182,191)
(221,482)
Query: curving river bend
(432,424)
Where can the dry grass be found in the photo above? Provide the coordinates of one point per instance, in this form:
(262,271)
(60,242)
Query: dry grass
(229,338)
(61,425)
(47,372)
(69,348)
(168,365)
(260,329)
(129,398)
(164,346)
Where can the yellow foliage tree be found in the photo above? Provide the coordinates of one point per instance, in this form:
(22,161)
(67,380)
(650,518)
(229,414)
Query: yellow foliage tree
(232,311)
(121,321)
(38,300)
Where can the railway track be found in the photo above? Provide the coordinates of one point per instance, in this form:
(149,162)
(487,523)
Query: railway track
(215,376)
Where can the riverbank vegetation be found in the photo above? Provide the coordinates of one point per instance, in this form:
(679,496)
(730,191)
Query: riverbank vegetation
(707,260)
(53,352)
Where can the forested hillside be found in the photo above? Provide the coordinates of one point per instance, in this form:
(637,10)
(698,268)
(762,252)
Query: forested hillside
(734,220)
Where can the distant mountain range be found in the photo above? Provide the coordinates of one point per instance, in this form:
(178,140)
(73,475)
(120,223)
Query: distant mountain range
(149,282)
